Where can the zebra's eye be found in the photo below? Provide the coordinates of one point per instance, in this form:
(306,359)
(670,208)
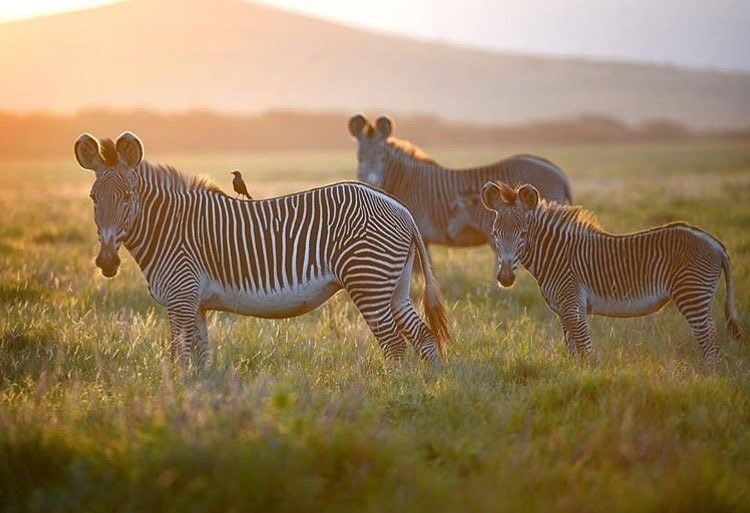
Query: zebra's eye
(126,197)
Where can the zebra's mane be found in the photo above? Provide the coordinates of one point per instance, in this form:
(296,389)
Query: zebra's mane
(174,180)
(108,152)
(410,150)
(574,216)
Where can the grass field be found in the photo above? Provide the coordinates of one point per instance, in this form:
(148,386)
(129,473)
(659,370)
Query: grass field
(302,415)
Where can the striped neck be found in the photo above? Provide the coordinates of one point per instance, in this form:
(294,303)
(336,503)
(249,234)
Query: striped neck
(159,193)
(554,225)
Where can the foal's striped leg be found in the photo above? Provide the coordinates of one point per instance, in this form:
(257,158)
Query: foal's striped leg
(696,308)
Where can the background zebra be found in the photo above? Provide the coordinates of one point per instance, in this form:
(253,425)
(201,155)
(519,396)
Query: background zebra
(201,250)
(582,269)
(430,190)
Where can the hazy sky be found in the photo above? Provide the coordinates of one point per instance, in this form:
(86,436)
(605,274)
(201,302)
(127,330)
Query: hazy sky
(700,33)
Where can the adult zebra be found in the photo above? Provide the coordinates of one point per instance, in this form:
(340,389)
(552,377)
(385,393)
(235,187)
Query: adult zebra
(201,250)
(433,192)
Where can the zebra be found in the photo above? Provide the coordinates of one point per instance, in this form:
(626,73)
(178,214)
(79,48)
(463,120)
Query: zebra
(430,190)
(580,268)
(200,250)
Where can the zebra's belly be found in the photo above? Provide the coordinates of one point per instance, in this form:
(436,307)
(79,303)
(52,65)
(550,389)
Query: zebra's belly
(626,306)
(466,237)
(274,304)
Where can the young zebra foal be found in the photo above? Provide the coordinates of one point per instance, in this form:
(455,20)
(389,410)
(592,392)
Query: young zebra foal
(582,269)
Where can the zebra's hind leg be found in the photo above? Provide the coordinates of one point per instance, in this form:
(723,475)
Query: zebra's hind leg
(697,312)
(379,318)
(420,336)
(409,322)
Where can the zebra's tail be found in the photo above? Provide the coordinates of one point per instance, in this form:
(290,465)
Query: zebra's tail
(432,301)
(730,313)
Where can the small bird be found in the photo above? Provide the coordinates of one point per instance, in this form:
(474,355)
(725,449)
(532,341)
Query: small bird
(239,185)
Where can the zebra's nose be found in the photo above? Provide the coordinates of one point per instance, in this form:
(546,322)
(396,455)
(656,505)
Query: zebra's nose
(108,261)
(505,277)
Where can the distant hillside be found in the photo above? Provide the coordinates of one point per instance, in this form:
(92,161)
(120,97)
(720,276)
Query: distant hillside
(233,56)
(46,135)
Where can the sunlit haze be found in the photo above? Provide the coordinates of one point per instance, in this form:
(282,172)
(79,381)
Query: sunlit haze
(14,10)
(691,33)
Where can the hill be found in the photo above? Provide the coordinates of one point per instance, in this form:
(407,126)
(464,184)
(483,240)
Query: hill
(233,56)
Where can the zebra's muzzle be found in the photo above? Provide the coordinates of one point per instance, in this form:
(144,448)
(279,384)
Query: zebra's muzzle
(108,261)
(505,278)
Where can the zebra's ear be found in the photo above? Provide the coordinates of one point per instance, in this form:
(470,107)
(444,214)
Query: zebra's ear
(357,124)
(130,149)
(492,197)
(529,196)
(86,149)
(384,124)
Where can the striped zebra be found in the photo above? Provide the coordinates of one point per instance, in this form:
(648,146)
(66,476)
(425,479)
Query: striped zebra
(580,268)
(202,250)
(430,190)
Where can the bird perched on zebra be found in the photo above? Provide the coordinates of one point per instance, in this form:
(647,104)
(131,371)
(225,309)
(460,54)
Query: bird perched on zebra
(239,185)
(582,269)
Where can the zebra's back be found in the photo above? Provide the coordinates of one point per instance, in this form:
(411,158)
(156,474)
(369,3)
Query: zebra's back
(634,274)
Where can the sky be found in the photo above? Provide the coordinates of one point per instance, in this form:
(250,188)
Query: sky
(711,34)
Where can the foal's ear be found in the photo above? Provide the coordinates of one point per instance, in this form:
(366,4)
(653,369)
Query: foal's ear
(86,149)
(357,124)
(384,124)
(529,196)
(492,198)
(130,149)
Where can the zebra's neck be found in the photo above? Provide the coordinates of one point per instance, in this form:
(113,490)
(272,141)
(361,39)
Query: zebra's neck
(552,230)
(160,200)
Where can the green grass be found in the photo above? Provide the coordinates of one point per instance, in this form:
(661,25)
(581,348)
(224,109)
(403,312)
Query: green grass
(303,415)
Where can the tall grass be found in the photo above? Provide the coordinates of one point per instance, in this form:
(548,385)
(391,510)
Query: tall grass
(304,415)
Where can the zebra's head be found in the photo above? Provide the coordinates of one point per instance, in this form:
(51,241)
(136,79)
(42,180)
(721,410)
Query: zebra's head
(371,147)
(512,208)
(113,193)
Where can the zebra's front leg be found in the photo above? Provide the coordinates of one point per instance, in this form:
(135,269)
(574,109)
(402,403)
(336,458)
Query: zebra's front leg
(183,315)
(570,344)
(576,329)
(201,349)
